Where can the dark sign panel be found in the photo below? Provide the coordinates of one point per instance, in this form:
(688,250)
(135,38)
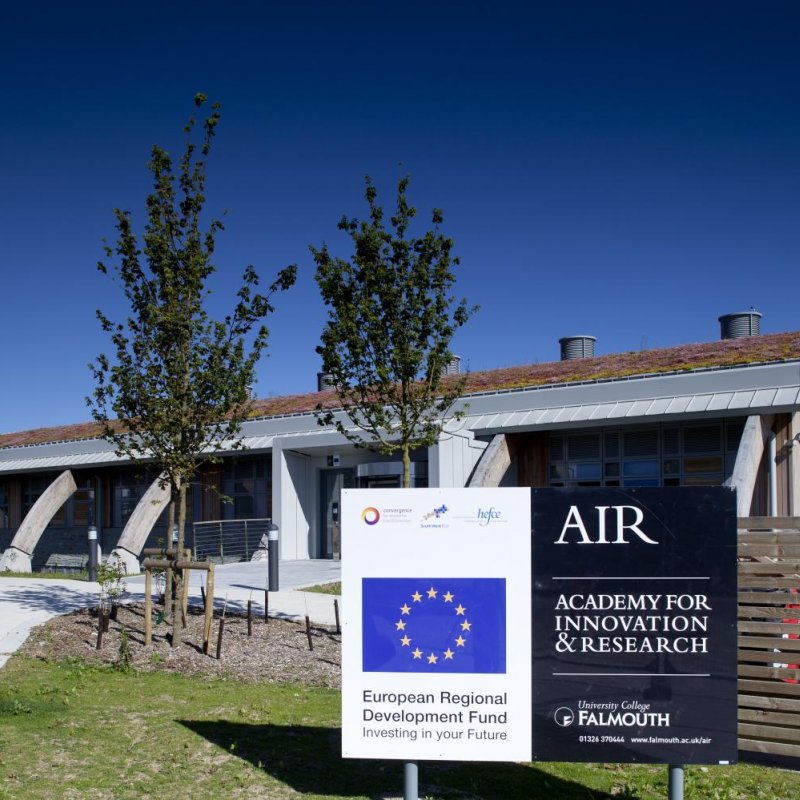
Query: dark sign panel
(634,625)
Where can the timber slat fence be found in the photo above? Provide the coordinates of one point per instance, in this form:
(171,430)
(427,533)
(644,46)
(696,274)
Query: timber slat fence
(769,635)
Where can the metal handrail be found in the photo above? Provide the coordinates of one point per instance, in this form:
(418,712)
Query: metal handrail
(229,540)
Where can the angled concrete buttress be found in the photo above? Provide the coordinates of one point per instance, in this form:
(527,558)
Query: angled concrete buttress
(494,462)
(139,525)
(748,458)
(18,556)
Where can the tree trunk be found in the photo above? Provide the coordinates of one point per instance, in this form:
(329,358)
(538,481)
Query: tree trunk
(406,467)
(167,545)
(177,603)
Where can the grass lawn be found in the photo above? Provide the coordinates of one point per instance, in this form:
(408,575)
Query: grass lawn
(326,588)
(73,576)
(73,732)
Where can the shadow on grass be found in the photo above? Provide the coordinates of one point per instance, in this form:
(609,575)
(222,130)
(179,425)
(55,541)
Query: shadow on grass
(308,759)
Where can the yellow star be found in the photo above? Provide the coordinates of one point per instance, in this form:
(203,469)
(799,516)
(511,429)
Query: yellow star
(404,609)
(466,625)
(401,626)
(405,641)
(417,653)
(432,659)
(448,654)
(461,641)
(448,597)
(416,597)
(460,610)
(431,593)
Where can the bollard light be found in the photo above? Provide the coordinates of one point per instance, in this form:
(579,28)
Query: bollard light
(92,553)
(272,556)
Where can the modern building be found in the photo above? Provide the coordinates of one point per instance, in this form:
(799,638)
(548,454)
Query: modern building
(702,414)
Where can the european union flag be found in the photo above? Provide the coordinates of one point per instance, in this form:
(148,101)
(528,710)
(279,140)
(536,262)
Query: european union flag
(434,625)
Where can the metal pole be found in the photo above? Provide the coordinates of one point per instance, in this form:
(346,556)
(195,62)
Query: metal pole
(676,782)
(272,556)
(410,781)
(92,553)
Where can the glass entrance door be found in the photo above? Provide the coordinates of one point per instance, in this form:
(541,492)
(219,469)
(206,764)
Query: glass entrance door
(333,481)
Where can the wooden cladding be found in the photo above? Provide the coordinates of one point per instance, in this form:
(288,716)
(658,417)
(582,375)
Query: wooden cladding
(769,635)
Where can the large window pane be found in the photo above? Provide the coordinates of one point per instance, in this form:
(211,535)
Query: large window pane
(247,485)
(33,487)
(662,455)
(581,471)
(702,464)
(4,523)
(633,469)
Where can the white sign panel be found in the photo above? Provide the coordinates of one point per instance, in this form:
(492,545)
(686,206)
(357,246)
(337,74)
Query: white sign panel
(436,590)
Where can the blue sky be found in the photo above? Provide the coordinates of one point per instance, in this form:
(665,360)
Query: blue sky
(627,170)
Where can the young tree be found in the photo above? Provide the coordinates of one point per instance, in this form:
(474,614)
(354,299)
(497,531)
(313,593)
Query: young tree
(386,343)
(179,384)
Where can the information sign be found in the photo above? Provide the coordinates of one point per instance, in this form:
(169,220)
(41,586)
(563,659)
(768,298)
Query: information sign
(436,624)
(634,625)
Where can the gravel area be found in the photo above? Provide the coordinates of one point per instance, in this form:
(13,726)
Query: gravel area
(277,651)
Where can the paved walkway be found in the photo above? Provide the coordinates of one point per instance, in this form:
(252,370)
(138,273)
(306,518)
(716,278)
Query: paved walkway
(28,602)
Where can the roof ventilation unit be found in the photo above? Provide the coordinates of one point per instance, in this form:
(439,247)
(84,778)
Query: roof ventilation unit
(324,382)
(453,366)
(577,347)
(739,324)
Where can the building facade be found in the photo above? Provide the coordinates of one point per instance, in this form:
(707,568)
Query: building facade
(706,414)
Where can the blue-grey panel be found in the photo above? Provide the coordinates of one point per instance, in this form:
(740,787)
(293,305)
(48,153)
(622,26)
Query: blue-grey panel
(721,401)
(620,410)
(698,403)
(742,400)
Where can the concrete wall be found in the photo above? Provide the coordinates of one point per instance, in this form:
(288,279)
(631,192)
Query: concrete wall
(452,461)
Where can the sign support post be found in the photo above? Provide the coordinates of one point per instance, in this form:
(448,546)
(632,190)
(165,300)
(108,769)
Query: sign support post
(411,781)
(676,782)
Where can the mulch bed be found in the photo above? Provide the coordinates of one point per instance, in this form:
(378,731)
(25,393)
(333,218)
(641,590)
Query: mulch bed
(276,652)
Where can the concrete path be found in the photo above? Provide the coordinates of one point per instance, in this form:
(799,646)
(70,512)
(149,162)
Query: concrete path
(28,602)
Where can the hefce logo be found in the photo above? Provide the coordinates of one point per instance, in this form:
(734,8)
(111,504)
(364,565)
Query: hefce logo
(486,516)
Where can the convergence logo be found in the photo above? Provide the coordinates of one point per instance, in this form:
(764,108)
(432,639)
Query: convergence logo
(370,515)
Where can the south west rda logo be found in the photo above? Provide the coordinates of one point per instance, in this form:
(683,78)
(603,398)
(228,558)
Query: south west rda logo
(437,513)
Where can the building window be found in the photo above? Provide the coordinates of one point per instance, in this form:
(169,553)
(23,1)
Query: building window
(33,487)
(691,454)
(128,488)
(4,521)
(247,487)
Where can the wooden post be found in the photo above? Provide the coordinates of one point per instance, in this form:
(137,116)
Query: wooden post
(168,589)
(266,606)
(148,607)
(101,623)
(219,638)
(209,609)
(185,597)
(249,617)
(336,613)
(308,633)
